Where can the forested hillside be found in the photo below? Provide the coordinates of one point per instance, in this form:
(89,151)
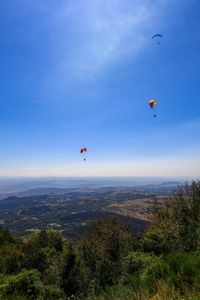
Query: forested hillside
(108,262)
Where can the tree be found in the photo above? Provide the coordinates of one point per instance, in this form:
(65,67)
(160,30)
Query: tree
(176,224)
(41,248)
(26,283)
(103,247)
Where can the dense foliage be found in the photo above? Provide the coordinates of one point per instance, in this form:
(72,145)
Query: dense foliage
(163,262)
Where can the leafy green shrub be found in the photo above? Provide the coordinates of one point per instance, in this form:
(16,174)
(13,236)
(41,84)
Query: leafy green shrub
(6,237)
(106,273)
(134,262)
(11,259)
(53,293)
(176,222)
(15,296)
(152,242)
(41,248)
(27,283)
(143,270)
(184,271)
(155,271)
(120,292)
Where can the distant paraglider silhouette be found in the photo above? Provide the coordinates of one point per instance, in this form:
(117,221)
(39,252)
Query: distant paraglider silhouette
(157,36)
(152,104)
(84,150)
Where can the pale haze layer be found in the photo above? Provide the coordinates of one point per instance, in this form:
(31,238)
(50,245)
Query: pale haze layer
(80,74)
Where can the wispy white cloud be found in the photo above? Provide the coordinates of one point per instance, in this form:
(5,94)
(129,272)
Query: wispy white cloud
(112,35)
(89,37)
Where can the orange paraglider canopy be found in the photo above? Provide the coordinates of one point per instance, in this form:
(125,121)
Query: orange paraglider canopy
(152,102)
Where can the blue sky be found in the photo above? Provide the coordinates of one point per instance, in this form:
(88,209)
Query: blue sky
(80,74)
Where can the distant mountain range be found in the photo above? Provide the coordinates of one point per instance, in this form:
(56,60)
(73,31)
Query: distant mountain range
(36,186)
